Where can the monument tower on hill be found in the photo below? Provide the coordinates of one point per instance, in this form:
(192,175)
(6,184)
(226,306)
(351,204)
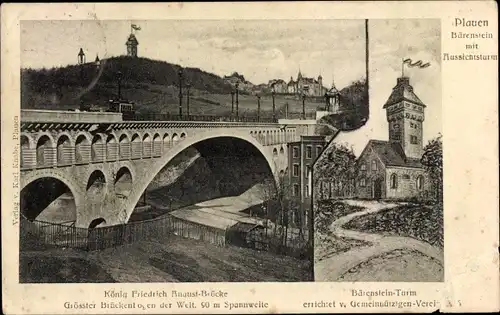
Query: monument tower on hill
(132,44)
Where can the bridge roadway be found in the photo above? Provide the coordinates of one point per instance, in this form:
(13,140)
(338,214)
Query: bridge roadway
(107,163)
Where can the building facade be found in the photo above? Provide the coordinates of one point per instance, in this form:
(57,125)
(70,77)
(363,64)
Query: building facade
(301,157)
(392,169)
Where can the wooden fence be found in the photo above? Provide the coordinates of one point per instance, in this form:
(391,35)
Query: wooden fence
(37,233)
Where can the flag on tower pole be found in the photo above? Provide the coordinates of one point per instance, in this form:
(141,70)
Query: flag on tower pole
(135,27)
(419,64)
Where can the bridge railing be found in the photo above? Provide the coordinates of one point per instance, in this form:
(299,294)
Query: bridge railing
(207,118)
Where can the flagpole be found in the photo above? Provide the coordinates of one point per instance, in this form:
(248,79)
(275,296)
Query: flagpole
(402,67)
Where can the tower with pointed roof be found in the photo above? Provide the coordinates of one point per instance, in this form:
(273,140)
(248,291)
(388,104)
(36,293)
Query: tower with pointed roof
(81,57)
(132,44)
(405,114)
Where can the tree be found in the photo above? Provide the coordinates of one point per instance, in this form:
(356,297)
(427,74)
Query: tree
(432,160)
(336,165)
(281,207)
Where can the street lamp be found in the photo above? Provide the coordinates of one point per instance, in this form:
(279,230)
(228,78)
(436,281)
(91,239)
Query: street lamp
(237,92)
(258,108)
(327,102)
(303,105)
(119,76)
(273,92)
(188,86)
(180,93)
(232,103)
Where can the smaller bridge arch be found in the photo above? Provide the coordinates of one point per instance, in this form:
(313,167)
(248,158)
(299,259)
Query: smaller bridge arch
(98,149)
(136,147)
(146,145)
(111,147)
(45,151)
(123,182)
(64,150)
(82,149)
(157,144)
(124,146)
(166,142)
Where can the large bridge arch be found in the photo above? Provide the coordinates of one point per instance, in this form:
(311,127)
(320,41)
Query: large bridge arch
(58,175)
(148,175)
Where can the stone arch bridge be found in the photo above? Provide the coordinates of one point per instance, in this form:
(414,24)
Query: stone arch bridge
(105,164)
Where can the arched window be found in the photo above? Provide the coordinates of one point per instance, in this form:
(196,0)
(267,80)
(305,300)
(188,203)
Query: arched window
(362,182)
(363,167)
(374,165)
(420,182)
(394,181)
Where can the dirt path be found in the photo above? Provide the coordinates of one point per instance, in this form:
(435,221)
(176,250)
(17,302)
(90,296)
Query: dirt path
(332,268)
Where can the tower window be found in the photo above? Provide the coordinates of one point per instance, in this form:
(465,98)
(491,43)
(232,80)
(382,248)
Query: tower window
(295,171)
(362,182)
(420,182)
(413,140)
(308,152)
(363,167)
(296,190)
(318,150)
(295,152)
(374,165)
(308,171)
(394,181)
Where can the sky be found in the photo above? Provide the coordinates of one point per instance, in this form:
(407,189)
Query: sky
(261,50)
(390,41)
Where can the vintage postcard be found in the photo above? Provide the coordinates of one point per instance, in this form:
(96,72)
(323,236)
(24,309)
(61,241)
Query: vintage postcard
(313,157)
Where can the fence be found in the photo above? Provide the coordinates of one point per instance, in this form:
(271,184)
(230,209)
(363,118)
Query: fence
(36,233)
(210,118)
(62,235)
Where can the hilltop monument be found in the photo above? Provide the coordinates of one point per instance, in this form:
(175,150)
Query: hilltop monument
(132,42)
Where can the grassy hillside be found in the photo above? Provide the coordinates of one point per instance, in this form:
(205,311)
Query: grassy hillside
(151,84)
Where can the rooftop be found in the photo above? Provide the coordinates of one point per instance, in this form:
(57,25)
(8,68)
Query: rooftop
(392,154)
(403,91)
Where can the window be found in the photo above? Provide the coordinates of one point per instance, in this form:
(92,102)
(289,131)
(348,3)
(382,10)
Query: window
(307,190)
(296,191)
(295,152)
(308,152)
(308,171)
(420,182)
(363,167)
(406,176)
(295,171)
(394,181)
(362,182)
(374,165)
(318,150)
(413,140)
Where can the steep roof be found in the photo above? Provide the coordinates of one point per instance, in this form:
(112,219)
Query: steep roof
(403,91)
(391,154)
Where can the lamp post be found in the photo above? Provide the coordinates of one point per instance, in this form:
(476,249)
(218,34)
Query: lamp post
(188,87)
(327,102)
(258,108)
(119,77)
(180,93)
(273,92)
(232,103)
(303,105)
(237,115)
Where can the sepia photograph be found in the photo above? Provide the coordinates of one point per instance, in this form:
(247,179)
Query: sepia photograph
(249,157)
(378,191)
(179,151)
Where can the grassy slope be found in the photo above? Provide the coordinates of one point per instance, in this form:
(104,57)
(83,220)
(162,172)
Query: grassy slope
(174,259)
(152,84)
(420,222)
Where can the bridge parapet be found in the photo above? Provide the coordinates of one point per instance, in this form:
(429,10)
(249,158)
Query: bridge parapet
(55,116)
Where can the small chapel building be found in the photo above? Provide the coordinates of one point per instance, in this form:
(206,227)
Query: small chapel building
(392,169)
